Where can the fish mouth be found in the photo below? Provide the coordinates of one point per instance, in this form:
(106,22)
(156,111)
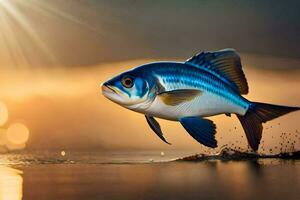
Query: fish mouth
(111,93)
(107,89)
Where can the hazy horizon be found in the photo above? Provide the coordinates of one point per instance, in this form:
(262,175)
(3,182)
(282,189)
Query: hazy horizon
(64,109)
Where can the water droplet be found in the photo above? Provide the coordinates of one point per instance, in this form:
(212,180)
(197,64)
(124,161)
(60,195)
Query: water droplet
(62,153)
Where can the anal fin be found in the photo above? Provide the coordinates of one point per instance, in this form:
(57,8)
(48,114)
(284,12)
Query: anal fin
(202,130)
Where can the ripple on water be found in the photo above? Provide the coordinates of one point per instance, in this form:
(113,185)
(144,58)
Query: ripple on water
(226,154)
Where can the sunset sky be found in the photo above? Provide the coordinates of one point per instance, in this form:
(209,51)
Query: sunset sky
(82,33)
(54,55)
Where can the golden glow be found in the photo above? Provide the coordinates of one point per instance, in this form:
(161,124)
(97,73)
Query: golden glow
(3,113)
(11,184)
(18,26)
(17,134)
(12,20)
(11,11)
(72,96)
(2,137)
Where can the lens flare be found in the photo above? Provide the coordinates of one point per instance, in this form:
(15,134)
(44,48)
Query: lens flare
(12,19)
(2,137)
(3,113)
(17,134)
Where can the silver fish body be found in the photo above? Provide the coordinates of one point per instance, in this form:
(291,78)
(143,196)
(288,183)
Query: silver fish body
(216,96)
(208,84)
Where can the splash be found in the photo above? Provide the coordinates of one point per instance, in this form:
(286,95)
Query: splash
(227,154)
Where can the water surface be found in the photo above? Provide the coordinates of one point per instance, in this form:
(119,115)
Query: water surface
(146,175)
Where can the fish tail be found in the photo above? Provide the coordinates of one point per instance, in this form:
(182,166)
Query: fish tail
(257,114)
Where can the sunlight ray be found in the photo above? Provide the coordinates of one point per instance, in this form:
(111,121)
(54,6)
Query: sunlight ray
(11,43)
(21,20)
(45,7)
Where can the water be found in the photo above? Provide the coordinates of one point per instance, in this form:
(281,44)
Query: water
(144,175)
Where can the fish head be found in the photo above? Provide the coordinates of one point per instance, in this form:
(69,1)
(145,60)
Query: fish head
(130,89)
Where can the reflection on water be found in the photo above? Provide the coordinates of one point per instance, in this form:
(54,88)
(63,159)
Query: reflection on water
(124,176)
(204,180)
(11,183)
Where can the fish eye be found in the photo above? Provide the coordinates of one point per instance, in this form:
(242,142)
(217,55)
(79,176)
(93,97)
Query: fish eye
(127,82)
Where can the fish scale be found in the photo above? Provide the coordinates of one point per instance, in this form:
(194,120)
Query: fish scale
(177,76)
(174,76)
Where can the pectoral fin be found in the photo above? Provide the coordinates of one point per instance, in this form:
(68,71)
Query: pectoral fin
(176,97)
(154,125)
(202,130)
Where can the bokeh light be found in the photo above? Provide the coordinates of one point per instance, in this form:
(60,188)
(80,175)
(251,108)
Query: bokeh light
(62,153)
(3,113)
(17,133)
(2,136)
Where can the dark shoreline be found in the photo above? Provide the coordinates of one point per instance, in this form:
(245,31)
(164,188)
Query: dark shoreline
(228,154)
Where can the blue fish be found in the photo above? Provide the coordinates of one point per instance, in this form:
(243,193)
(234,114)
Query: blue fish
(208,84)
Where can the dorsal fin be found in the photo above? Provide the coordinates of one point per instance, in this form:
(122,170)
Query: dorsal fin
(225,63)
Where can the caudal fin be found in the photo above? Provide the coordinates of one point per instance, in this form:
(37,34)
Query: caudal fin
(257,114)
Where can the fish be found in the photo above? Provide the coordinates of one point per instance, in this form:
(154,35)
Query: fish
(209,83)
